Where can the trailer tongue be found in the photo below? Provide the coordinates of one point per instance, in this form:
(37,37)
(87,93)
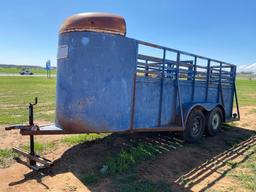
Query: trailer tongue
(107,82)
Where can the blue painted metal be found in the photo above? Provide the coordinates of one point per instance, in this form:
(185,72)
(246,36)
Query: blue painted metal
(94,82)
(104,84)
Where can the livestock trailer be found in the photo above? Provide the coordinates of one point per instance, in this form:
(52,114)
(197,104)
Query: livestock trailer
(107,82)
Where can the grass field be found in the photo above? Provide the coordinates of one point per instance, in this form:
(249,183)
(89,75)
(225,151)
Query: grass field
(246,90)
(17,92)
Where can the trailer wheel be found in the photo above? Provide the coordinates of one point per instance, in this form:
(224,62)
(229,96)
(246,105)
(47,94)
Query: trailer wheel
(214,121)
(195,126)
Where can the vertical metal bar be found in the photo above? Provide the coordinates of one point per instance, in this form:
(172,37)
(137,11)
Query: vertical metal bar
(190,73)
(31,114)
(237,106)
(32,149)
(133,102)
(234,84)
(218,93)
(194,79)
(220,85)
(178,87)
(161,89)
(134,93)
(146,73)
(31,139)
(232,75)
(207,79)
(178,66)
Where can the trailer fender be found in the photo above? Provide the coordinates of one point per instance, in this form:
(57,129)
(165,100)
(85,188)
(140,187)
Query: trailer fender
(205,107)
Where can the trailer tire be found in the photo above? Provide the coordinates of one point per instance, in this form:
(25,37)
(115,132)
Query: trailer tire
(195,126)
(214,121)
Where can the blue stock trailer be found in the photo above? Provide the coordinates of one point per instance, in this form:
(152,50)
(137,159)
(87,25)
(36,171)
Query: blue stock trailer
(105,85)
(107,82)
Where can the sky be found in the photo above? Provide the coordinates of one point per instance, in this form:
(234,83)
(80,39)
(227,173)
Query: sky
(219,29)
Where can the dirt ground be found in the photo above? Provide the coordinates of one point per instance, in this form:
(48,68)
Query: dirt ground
(194,167)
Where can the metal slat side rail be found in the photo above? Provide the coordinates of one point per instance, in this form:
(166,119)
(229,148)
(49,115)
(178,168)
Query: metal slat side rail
(148,64)
(224,76)
(149,72)
(229,65)
(181,52)
(201,73)
(201,67)
(150,58)
(223,71)
(148,68)
(206,71)
(157,64)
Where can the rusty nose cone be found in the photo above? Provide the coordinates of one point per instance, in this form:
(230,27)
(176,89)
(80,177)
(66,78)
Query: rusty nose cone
(96,22)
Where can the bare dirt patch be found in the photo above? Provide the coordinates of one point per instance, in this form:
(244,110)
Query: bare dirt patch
(248,118)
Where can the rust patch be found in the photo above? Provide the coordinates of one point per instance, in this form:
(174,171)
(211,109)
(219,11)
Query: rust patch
(76,125)
(96,22)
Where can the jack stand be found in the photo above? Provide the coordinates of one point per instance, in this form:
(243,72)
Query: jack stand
(35,162)
(31,123)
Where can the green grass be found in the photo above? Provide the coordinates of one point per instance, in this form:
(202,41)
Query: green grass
(17,92)
(41,147)
(76,139)
(6,156)
(6,153)
(246,76)
(90,178)
(246,90)
(120,167)
(247,180)
(252,111)
(131,183)
(129,157)
(38,71)
(245,174)
(144,186)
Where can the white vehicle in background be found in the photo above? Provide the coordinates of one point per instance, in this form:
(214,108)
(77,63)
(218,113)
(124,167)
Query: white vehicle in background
(26,71)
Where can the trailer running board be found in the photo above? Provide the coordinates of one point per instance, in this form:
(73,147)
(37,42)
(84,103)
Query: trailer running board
(35,162)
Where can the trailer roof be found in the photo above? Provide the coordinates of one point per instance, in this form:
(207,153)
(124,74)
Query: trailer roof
(96,22)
